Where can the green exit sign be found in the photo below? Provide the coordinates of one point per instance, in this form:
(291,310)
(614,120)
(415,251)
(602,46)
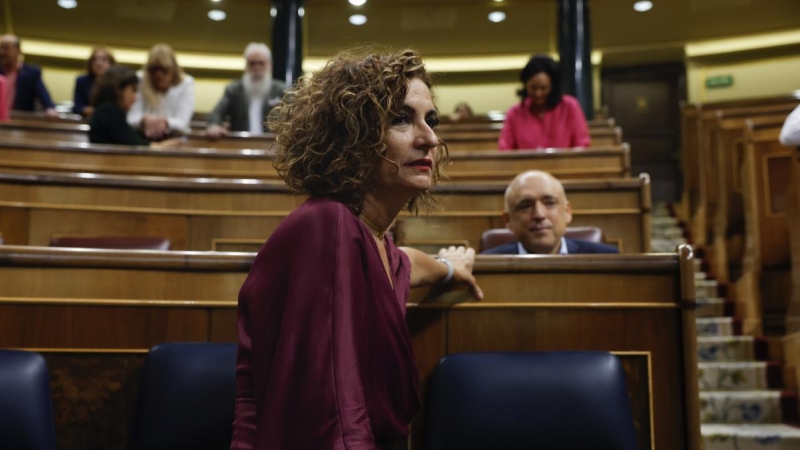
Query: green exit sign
(719,81)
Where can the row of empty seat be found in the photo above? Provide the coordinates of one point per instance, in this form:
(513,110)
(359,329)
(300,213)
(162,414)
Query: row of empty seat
(476,401)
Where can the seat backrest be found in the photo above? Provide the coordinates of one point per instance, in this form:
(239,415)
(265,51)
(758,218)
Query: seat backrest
(499,236)
(116,243)
(187,395)
(524,400)
(26,406)
(588,234)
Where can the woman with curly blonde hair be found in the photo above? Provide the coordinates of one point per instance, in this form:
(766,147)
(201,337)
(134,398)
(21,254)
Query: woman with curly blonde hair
(325,358)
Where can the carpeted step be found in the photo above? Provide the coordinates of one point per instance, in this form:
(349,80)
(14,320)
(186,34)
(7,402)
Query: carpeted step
(740,376)
(659,222)
(665,245)
(706,288)
(732,348)
(718,326)
(714,307)
(668,233)
(754,407)
(750,437)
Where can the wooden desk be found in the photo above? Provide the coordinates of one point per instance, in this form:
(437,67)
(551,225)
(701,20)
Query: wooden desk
(487,140)
(93,314)
(205,214)
(77,132)
(34,156)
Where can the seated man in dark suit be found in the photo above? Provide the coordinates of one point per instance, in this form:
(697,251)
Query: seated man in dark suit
(537,212)
(24,81)
(247,101)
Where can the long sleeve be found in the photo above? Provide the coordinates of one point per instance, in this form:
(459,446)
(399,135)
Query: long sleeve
(790,133)
(321,336)
(80,97)
(507,139)
(217,116)
(579,128)
(181,105)
(43,94)
(108,126)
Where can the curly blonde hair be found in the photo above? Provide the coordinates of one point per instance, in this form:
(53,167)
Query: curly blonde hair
(331,128)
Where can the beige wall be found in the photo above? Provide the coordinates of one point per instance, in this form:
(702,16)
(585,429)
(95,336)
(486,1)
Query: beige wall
(753,77)
(482,97)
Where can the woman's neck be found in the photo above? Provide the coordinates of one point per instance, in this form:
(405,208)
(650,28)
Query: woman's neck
(380,211)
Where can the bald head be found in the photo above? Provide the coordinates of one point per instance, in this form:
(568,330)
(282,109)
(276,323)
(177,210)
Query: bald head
(9,51)
(533,177)
(537,211)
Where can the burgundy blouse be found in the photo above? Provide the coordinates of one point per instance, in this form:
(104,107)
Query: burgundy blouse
(325,358)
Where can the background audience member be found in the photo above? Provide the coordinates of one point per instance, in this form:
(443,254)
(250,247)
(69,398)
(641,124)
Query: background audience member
(537,212)
(247,102)
(544,118)
(462,112)
(790,132)
(3,102)
(24,81)
(100,60)
(165,102)
(357,138)
(113,95)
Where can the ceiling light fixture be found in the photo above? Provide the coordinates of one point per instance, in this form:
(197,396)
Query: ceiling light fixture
(357,2)
(301,11)
(643,6)
(497,16)
(273,11)
(68,4)
(358,19)
(217,15)
(215,1)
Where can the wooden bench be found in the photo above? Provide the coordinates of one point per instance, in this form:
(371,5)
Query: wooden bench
(476,141)
(94,314)
(33,156)
(763,290)
(77,132)
(728,225)
(698,155)
(200,214)
(791,341)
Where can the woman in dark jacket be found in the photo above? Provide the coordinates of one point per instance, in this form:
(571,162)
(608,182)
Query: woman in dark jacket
(97,64)
(112,97)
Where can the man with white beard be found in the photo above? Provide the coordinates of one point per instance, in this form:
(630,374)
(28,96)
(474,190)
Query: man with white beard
(247,101)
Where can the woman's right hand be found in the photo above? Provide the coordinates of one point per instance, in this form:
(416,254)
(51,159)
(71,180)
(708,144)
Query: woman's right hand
(463,259)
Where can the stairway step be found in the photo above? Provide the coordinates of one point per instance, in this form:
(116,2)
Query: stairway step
(732,348)
(706,288)
(665,245)
(750,437)
(663,221)
(740,376)
(741,407)
(714,307)
(667,233)
(718,326)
